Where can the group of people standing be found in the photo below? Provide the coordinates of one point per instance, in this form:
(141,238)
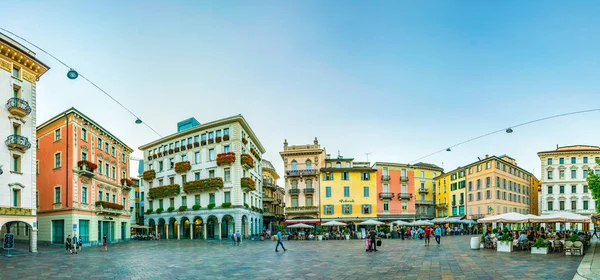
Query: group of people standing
(72,244)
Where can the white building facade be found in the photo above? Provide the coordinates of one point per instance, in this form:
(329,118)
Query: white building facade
(19,71)
(204,182)
(564,185)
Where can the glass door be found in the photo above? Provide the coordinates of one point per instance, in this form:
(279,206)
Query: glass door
(58,231)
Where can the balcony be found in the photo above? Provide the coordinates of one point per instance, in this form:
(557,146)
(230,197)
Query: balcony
(302,209)
(18,107)
(386,195)
(294,191)
(424,202)
(269,185)
(267,199)
(442,205)
(86,168)
(309,190)
(300,173)
(403,179)
(423,190)
(17,142)
(385,178)
(405,196)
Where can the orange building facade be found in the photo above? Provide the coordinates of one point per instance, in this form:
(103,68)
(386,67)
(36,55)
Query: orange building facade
(83,181)
(395,190)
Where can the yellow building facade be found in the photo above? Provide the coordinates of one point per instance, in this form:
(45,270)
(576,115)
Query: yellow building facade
(442,195)
(348,190)
(425,189)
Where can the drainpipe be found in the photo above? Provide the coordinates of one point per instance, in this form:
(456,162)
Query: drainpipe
(67,162)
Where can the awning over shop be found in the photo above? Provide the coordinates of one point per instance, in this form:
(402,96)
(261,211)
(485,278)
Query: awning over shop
(303,221)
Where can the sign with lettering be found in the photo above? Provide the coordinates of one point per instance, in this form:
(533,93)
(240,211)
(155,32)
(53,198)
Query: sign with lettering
(9,241)
(346,200)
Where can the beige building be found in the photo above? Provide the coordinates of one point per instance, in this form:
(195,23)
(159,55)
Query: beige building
(273,197)
(301,179)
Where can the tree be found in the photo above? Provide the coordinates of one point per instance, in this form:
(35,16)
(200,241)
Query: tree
(593,180)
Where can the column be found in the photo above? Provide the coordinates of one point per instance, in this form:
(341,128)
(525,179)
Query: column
(179,230)
(166,231)
(219,230)
(247,228)
(192,231)
(156,229)
(204,230)
(33,241)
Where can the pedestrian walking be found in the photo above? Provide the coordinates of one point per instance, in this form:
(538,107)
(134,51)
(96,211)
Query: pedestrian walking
(233,238)
(104,244)
(239,237)
(279,242)
(427,233)
(68,245)
(595,233)
(75,243)
(402,231)
(438,235)
(373,236)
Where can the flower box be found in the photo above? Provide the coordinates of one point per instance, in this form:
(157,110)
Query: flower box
(203,185)
(149,157)
(149,211)
(176,149)
(149,175)
(189,146)
(203,142)
(127,181)
(110,205)
(182,208)
(170,151)
(159,210)
(183,166)
(226,204)
(170,209)
(196,144)
(248,184)
(210,140)
(154,156)
(183,147)
(163,191)
(218,139)
(225,158)
(90,165)
(246,159)
(226,137)
(159,154)
(196,207)
(210,206)
(505,246)
(244,140)
(539,251)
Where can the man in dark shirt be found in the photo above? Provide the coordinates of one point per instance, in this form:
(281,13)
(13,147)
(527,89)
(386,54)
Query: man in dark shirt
(373,235)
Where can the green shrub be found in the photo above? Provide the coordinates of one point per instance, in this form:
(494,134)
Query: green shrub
(494,231)
(149,211)
(196,207)
(574,237)
(182,208)
(159,210)
(505,238)
(170,209)
(540,243)
(226,204)
(246,205)
(211,206)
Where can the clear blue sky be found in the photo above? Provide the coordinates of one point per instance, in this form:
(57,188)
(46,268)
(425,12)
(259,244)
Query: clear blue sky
(399,79)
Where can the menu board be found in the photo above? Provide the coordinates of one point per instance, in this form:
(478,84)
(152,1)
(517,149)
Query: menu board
(9,241)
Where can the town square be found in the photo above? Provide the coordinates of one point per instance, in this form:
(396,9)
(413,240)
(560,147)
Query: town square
(299,139)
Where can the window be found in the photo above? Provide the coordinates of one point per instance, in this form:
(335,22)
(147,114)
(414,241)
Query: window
(309,201)
(83,134)
(585,189)
(16,164)
(84,194)
(366,191)
(57,195)
(586,205)
(211,173)
(57,160)
(327,191)
(171,163)
(561,205)
(422,174)
(114,198)
(549,175)
(549,161)
(308,164)
(196,175)
(346,209)
(328,209)
(294,165)
(225,131)
(366,176)
(106,166)
(16,201)
(114,173)
(573,160)
(160,203)
(211,135)
(113,151)
(183,157)
(550,204)
(573,174)
(573,205)
(123,157)
(211,154)
(366,208)
(160,166)
(183,179)
(308,183)
(386,206)
(346,191)
(171,180)
(100,195)
(106,147)
(227,197)
(15,72)
(197,199)
(585,174)
(227,174)
(338,165)
(585,159)
(573,189)
(99,143)
(327,176)
(172,202)
(294,202)
(470,197)
(107,197)
(226,149)
(561,160)
(561,189)
(561,174)
(345,176)
(124,202)
(184,200)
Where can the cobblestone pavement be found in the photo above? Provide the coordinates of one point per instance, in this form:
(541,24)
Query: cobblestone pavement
(397,259)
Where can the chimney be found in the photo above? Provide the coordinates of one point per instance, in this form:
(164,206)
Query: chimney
(487,156)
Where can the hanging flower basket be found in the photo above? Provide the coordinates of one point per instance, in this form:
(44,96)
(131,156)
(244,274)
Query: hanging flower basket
(176,149)
(183,166)
(203,142)
(196,144)
(149,175)
(248,184)
(226,137)
(218,139)
(154,156)
(170,151)
(189,146)
(244,140)
(210,140)
(163,191)
(183,147)
(203,185)
(225,158)
(90,165)
(149,157)
(159,154)
(247,160)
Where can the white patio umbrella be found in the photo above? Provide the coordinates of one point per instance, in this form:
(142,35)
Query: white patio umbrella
(505,218)
(401,223)
(300,226)
(422,223)
(561,217)
(371,223)
(334,223)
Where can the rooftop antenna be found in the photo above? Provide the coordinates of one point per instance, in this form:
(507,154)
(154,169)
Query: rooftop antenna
(367,154)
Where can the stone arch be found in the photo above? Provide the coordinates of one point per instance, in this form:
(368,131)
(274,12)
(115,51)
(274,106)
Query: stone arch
(162,226)
(25,235)
(173,228)
(198,224)
(227,226)
(186,226)
(212,224)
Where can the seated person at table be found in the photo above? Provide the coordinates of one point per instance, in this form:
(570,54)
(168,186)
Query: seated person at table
(522,238)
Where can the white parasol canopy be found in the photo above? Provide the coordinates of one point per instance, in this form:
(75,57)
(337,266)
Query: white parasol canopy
(334,223)
(401,223)
(422,223)
(561,217)
(300,226)
(371,223)
(505,218)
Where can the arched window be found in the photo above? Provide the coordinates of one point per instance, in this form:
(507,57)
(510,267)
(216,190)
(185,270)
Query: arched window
(294,165)
(308,164)
(338,165)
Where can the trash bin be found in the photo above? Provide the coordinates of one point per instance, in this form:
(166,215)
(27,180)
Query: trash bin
(475,242)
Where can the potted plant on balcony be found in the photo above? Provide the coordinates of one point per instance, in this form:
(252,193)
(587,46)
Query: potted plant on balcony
(203,142)
(159,210)
(149,175)
(149,211)
(170,151)
(163,191)
(211,140)
(226,205)
(154,156)
(210,206)
(183,147)
(84,164)
(159,154)
(347,233)
(505,243)
(196,144)
(196,207)
(246,205)
(189,146)
(320,233)
(540,247)
(244,140)
(225,158)
(149,157)
(182,208)
(183,166)
(226,137)
(248,184)
(247,160)
(126,182)
(218,139)
(170,209)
